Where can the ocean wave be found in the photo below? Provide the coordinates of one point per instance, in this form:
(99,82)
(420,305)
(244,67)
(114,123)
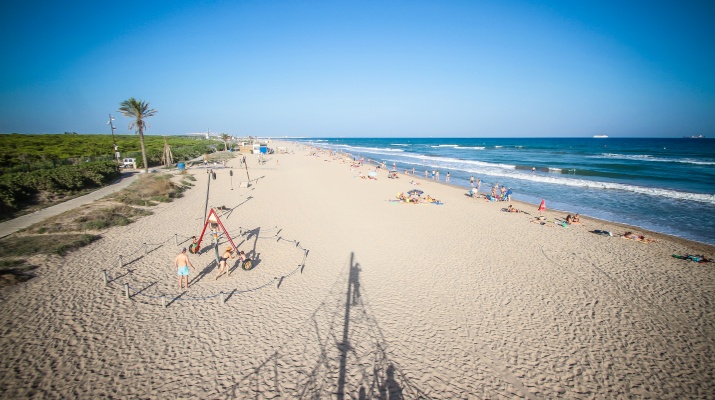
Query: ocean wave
(445,145)
(647,157)
(583,183)
(673,194)
(447,162)
(498,147)
(361,149)
(510,171)
(470,147)
(554,169)
(398,144)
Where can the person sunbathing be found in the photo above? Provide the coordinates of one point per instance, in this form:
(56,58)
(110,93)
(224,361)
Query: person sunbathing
(640,238)
(512,209)
(430,199)
(573,220)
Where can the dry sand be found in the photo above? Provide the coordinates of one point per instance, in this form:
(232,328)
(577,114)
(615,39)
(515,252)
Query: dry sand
(353,296)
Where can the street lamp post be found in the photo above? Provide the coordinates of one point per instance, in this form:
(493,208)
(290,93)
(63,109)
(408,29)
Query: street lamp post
(114,142)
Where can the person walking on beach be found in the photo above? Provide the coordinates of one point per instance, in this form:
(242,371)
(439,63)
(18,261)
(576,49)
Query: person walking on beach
(223,261)
(447,179)
(437,176)
(182,264)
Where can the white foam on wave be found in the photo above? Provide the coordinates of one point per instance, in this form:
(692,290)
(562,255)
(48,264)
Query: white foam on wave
(554,169)
(498,147)
(507,170)
(398,144)
(361,149)
(446,145)
(584,183)
(647,157)
(448,162)
(470,147)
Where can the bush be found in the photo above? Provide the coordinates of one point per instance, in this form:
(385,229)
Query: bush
(43,244)
(18,190)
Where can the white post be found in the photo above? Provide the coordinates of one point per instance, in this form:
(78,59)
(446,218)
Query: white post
(120,261)
(222,299)
(126,290)
(163,301)
(145,249)
(104,274)
(176,239)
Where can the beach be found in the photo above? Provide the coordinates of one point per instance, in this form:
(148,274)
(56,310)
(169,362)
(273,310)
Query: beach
(352,295)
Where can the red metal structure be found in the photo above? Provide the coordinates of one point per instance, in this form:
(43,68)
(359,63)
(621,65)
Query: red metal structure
(213,218)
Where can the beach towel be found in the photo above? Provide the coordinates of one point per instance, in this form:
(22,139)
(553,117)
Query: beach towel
(600,232)
(694,258)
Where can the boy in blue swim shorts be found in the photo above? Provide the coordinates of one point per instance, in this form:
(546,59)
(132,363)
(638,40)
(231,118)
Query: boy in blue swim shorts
(182,264)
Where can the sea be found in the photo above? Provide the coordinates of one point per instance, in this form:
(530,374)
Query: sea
(664,185)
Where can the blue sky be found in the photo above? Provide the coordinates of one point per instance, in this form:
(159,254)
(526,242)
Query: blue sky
(362,68)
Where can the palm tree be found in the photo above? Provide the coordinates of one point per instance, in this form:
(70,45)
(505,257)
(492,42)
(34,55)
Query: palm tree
(138,110)
(225,138)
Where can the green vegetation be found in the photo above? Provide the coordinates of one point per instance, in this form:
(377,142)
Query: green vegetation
(19,190)
(149,189)
(89,219)
(23,153)
(14,271)
(14,246)
(39,170)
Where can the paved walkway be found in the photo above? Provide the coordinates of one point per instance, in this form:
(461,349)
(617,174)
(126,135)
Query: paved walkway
(14,225)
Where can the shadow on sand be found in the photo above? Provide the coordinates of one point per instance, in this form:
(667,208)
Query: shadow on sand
(341,354)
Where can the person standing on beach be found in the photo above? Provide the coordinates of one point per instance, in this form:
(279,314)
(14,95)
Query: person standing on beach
(413,171)
(437,176)
(479,185)
(447,180)
(471,181)
(426,174)
(182,264)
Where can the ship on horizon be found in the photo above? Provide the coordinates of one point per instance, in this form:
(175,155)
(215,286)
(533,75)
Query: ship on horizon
(600,136)
(694,137)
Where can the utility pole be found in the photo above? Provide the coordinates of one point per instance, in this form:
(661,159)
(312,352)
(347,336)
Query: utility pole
(114,142)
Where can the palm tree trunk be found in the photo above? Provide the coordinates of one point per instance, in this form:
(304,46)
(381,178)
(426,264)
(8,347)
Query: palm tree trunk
(141,138)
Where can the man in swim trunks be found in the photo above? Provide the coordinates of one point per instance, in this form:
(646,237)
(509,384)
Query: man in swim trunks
(182,264)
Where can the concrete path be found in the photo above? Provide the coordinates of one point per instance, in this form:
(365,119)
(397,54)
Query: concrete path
(14,225)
